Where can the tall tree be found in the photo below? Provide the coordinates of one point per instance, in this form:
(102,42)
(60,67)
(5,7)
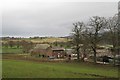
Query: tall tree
(114,34)
(85,49)
(118,32)
(77,37)
(96,25)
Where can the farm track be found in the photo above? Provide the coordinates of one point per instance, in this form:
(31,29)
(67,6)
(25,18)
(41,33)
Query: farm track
(28,58)
(25,57)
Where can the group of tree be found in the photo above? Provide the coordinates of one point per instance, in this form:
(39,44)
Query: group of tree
(87,36)
(25,45)
(11,44)
(62,44)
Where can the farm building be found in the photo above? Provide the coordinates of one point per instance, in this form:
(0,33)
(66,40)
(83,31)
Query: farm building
(41,50)
(47,51)
(58,52)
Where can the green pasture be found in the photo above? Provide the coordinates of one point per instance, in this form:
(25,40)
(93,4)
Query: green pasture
(29,69)
(11,50)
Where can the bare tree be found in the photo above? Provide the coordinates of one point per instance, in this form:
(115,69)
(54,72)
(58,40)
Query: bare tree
(77,37)
(96,25)
(118,31)
(85,49)
(114,34)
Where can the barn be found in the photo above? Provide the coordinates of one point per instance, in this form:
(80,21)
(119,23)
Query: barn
(41,50)
(45,50)
(58,52)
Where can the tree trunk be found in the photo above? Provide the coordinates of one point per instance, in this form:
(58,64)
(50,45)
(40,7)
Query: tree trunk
(78,54)
(94,50)
(114,51)
(114,58)
(114,54)
(95,56)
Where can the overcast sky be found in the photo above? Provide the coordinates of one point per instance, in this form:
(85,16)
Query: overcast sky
(33,18)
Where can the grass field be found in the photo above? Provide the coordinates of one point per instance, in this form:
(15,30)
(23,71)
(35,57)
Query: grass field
(49,40)
(29,69)
(11,50)
(38,40)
